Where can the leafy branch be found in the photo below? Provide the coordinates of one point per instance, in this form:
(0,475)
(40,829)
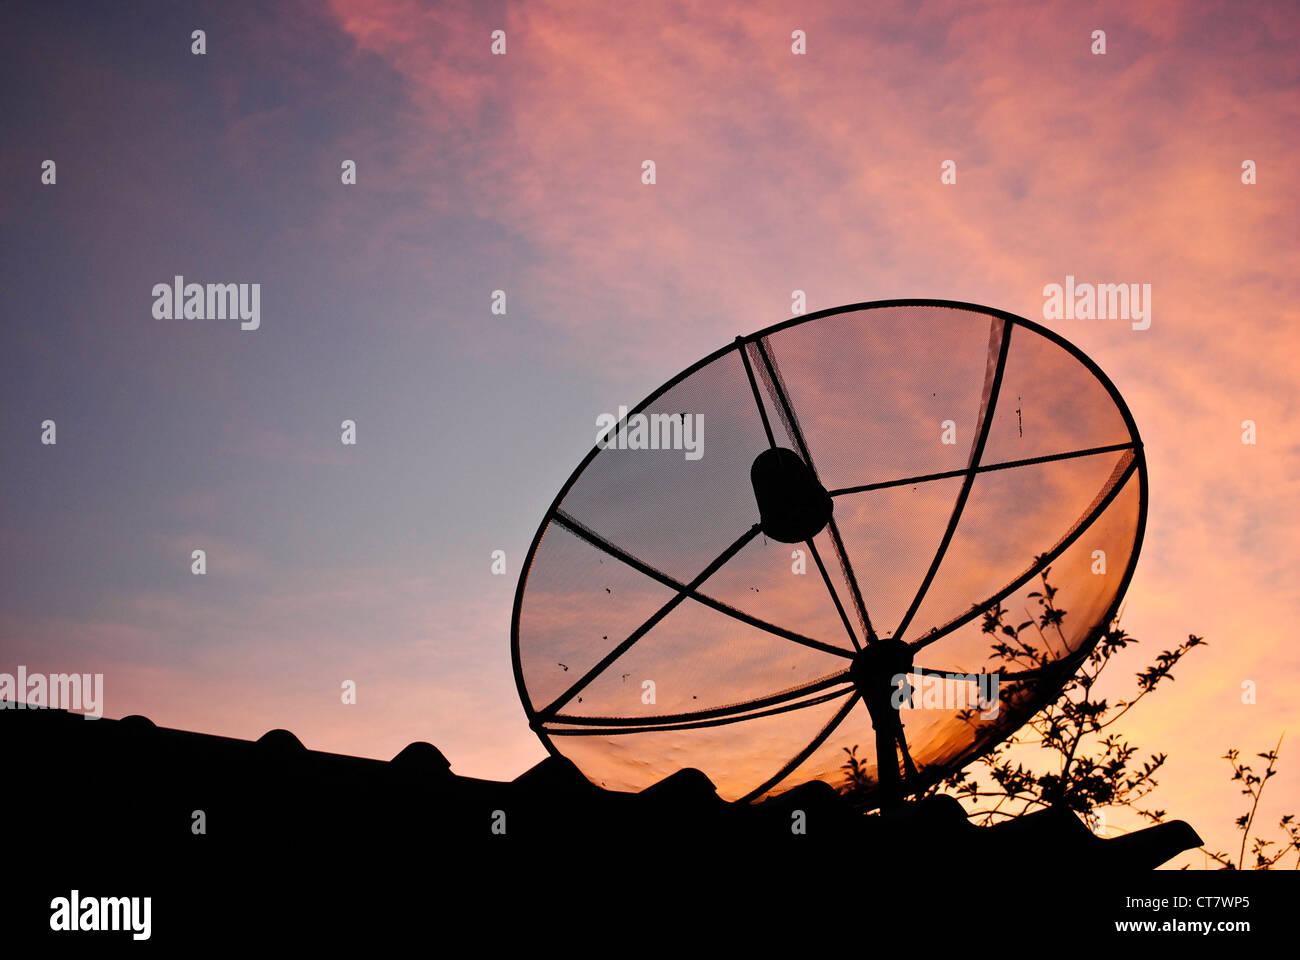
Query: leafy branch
(1253,787)
(1091,766)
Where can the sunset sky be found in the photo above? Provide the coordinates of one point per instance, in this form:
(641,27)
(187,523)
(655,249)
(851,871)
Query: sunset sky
(774,173)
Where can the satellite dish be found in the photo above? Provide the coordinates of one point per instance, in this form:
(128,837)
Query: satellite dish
(736,576)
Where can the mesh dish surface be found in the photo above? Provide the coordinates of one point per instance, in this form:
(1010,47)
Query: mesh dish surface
(967,452)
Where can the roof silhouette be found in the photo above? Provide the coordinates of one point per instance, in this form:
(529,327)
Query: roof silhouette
(255,793)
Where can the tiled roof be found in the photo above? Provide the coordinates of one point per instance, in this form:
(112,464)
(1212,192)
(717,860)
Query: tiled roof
(153,779)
